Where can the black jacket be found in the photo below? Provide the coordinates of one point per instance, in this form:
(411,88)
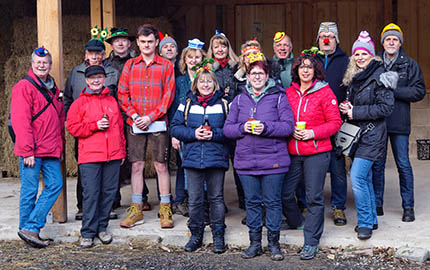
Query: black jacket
(410,88)
(224,77)
(337,63)
(372,103)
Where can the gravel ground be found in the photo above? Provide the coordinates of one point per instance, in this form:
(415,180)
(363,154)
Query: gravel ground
(144,255)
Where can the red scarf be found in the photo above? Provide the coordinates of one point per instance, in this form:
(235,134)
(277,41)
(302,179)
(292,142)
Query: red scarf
(204,100)
(224,62)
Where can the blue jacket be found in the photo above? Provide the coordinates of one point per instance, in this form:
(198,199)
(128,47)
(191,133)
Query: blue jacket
(201,154)
(183,86)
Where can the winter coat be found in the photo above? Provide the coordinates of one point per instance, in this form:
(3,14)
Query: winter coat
(280,70)
(43,137)
(372,103)
(334,72)
(97,145)
(200,154)
(410,88)
(319,109)
(224,76)
(183,86)
(76,82)
(265,153)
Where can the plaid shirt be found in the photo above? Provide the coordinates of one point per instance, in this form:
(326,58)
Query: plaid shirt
(147,90)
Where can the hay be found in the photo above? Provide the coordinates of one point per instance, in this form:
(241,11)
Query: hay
(75,34)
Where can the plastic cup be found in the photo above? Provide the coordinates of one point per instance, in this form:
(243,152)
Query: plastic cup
(254,123)
(301,124)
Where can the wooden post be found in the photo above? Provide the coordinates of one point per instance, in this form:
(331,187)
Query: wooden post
(49,34)
(108,19)
(96,13)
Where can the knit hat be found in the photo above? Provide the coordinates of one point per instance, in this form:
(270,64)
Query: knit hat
(328,27)
(119,32)
(391,30)
(364,42)
(91,70)
(95,45)
(164,40)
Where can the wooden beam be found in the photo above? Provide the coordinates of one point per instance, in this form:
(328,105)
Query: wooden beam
(108,19)
(96,13)
(388,11)
(49,34)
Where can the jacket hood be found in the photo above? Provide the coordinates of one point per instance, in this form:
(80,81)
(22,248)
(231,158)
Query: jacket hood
(316,85)
(267,89)
(88,92)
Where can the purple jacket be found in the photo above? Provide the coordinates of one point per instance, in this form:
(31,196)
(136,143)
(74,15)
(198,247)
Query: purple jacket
(266,153)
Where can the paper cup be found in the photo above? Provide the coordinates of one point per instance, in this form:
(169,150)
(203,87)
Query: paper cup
(253,124)
(301,124)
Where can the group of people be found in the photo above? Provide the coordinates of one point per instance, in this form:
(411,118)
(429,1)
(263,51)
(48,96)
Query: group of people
(276,120)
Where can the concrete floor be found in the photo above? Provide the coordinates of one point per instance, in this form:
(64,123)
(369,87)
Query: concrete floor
(392,231)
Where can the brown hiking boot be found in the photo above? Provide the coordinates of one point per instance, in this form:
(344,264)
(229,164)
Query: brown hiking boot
(165,212)
(134,216)
(339,217)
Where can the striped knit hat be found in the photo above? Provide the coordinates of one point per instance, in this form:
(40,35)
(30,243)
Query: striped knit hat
(364,42)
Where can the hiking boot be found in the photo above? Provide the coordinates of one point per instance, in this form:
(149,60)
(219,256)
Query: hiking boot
(105,237)
(196,239)
(375,227)
(254,248)
(339,217)
(274,247)
(182,208)
(33,239)
(218,239)
(113,214)
(79,215)
(146,206)
(165,212)
(86,242)
(134,216)
(364,233)
(308,252)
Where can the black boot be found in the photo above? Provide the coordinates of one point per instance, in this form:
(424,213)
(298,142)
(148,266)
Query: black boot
(196,239)
(255,247)
(218,239)
(275,249)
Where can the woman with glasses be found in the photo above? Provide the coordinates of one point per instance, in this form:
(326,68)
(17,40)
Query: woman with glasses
(317,118)
(260,119)
(198,123)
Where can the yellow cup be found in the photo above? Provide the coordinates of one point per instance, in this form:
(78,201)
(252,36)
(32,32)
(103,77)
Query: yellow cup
(254,123)
(301,124)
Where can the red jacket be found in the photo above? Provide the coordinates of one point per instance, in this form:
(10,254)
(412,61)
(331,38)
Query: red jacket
(44,137)
(319,109)
(96,145)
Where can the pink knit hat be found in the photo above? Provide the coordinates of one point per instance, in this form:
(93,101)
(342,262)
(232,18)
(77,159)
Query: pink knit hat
(364,42)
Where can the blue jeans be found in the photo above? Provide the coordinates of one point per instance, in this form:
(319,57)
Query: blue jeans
(362,188)
(400,148)
(32,214)
(338,181)
(263,189)
(180,179)
(214,180)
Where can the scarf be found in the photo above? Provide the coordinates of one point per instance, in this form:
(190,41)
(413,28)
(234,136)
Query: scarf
(224,62)
(204,100)
(360,78)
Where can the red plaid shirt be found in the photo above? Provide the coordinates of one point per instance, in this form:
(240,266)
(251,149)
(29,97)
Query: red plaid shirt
(147,90)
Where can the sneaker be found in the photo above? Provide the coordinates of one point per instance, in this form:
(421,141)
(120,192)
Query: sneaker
(134,216)
(308,252)
(339,217)
(165,212)
(113,214)
(375,227)
(105,237)
(408,215)
(146,206)
(79,215)
(182,209)
(364,233)
(33,239)
(86,242)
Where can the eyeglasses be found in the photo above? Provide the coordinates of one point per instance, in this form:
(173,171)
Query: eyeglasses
(306,66)
(255,74)
(329,37)
(206,81)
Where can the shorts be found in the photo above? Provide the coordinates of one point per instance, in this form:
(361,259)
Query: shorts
(137,145)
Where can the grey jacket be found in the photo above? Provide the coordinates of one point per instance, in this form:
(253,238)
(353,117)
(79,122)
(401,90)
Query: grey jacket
(76,82)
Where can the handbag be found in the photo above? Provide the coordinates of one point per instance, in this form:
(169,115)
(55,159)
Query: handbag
(348,137)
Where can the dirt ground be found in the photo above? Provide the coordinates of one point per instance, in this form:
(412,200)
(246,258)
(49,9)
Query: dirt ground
(142,255)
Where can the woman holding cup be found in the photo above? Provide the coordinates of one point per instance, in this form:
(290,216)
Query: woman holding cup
(198,123)
(317,118)
(260,119)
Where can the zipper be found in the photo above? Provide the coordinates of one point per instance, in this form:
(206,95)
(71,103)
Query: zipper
(306,105)
(105,131)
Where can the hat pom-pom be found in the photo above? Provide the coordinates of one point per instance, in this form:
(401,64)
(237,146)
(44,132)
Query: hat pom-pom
(364,36)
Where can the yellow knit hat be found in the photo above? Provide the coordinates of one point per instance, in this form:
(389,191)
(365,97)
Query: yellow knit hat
(391,30)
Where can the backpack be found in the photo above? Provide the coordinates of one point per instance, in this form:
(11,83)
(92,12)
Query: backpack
(188,105)
(45,94)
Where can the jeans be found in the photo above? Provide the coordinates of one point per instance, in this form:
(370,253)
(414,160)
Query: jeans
(214,179)
(263,189)
(180,180)
(100,184)
(312,170)
(362,188)
(338,181)
(32,214)
(400,148)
